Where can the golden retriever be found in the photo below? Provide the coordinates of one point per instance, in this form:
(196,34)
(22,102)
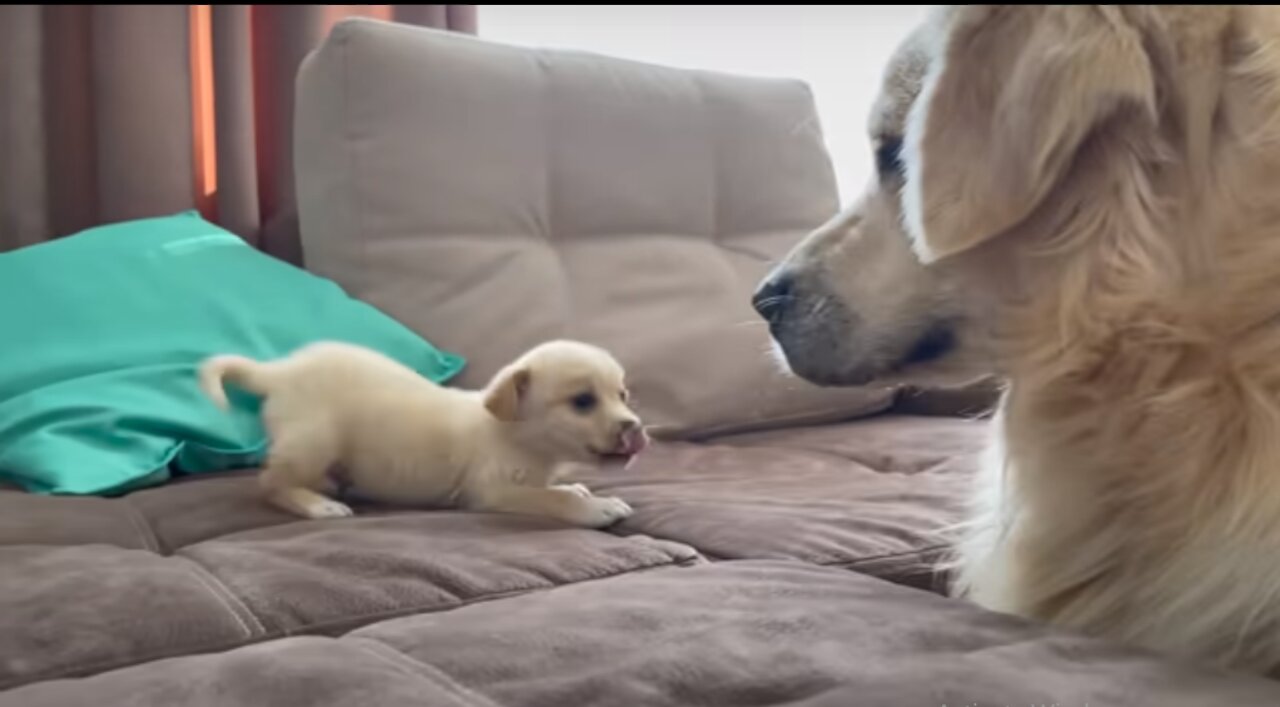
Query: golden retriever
(397,437)
(1090,194)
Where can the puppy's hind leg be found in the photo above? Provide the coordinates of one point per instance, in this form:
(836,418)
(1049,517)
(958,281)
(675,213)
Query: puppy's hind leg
(296,477)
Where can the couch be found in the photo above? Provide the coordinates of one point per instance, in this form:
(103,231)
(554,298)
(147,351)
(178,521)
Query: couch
(786,538)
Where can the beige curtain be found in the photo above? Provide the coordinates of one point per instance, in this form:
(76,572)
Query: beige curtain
(114,112)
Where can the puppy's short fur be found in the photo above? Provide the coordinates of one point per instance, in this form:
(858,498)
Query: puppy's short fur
(342,416)
(1090,193)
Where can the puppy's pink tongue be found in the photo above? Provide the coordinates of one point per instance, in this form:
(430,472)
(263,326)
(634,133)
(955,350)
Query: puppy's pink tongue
(634,441)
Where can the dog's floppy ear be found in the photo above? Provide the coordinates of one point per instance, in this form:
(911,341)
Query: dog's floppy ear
(506,391)
(1011,95)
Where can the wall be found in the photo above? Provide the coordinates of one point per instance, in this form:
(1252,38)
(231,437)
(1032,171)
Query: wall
(840,50)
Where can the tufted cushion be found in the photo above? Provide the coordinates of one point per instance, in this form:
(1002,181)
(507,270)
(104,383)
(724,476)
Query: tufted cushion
(880,496)
(494,197)
(724,635)
(203,565)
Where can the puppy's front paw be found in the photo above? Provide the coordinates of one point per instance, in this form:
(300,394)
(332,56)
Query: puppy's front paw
(575,489)
(321,510)
(601,512)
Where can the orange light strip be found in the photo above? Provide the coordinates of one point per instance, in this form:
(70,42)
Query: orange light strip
(203,129)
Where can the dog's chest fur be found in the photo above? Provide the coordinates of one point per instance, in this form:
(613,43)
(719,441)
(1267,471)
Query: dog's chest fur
(1137,496)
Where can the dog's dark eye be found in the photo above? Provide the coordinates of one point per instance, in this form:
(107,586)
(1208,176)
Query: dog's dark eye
(583,402)
(889,157)
(624,395)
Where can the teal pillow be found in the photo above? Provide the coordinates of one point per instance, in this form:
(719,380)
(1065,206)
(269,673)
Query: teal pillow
(102,334)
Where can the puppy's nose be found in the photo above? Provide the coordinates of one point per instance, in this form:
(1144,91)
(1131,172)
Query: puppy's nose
(627,425)
(772,296)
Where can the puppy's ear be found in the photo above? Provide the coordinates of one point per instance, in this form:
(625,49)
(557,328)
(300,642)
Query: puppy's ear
(1010,97)
(506,392)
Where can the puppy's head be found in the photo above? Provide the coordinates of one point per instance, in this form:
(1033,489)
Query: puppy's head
(569,399)
(1030,158)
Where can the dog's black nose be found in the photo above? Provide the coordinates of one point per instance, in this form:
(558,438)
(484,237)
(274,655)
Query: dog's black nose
(628,425)
(772,295)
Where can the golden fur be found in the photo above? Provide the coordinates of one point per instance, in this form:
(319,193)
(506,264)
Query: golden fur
(340,415)
(1102,183)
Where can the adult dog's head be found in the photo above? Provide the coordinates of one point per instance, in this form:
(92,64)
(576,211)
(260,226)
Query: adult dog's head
(1063,167)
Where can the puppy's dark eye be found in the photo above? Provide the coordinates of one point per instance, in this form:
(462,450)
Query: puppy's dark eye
(624,395)
(889,157)
(583,402)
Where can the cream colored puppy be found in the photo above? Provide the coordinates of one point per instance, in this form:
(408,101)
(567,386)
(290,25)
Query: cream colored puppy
(397,437)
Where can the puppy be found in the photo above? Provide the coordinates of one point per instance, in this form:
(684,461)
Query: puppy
(400,438)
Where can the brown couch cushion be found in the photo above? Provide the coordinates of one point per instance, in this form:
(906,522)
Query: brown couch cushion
(307,672)
(875,496)
(88,584)
(87,608)
(202,564)
(726,635)
(205,555)
(327,577)
(491,197)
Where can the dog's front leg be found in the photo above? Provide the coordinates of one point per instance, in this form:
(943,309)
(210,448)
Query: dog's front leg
(578,489)
(564,504)
(559,475)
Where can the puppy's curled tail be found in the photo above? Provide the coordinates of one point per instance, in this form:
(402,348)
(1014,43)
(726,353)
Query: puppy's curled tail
(243,371)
